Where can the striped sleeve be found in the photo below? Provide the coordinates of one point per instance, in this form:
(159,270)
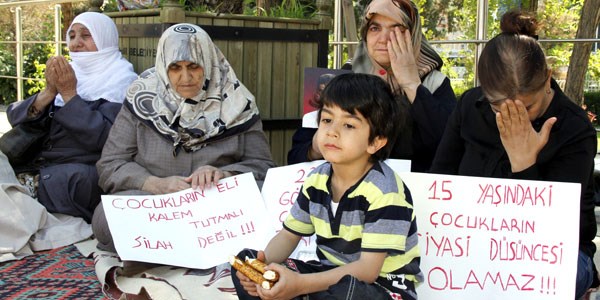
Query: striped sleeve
(389,219)
(298,220)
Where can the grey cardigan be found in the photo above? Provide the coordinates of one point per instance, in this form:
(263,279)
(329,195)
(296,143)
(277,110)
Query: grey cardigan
(134,151)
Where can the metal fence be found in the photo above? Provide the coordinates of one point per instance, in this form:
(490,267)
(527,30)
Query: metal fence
(19,42)
(338,43)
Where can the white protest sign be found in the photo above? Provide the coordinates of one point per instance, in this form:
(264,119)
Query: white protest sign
(280,190)
(190,228)
(486,238)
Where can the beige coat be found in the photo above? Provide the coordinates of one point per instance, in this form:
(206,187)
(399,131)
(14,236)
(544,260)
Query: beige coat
(135,151)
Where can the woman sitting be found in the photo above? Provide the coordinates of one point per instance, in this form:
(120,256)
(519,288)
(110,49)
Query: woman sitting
(186,124)
(78,106)
(394,48)
(520,125)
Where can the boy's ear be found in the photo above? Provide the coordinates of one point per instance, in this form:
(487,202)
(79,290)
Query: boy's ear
(377,144)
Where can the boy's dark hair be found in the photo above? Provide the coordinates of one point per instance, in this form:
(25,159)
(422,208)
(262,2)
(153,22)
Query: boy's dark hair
(372,97)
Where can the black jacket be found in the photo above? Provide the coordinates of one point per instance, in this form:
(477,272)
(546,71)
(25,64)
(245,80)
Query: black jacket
(428,115)
(68,178)
(471,146)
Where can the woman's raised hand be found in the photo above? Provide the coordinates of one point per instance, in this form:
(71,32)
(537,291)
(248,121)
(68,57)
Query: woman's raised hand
(47,95)
(403,62)
(66,82)
(521,142)
(51,75)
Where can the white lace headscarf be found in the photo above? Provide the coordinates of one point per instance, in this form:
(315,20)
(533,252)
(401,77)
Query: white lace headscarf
(222,104)
(102,74)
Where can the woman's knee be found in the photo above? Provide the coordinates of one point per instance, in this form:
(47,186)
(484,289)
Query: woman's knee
(101,230)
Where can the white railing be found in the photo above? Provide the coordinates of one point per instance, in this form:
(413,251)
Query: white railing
(482,10)
(17,8)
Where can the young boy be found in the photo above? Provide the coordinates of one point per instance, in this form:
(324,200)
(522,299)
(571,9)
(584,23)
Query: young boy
(360,210)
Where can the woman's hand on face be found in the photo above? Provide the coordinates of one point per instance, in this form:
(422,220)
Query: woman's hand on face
(403,62)
(66,82)
(521,142)
(206,176)
(166,185)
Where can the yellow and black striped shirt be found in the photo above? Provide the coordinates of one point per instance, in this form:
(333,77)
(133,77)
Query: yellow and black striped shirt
(374,215)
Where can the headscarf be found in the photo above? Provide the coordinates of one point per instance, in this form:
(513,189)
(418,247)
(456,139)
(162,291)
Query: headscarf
(404,12)
(223,103)
(103,74)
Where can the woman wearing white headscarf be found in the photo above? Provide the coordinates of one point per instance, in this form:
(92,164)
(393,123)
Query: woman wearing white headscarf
(80,101)
(186,123)
(394,48)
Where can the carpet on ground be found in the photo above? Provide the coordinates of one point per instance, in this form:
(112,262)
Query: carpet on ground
(58,274)
(81,271)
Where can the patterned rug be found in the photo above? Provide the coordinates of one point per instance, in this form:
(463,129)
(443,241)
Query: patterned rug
(57,274)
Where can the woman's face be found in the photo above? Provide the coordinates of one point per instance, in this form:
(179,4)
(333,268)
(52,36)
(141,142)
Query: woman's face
(80,39)
(378,35)
(536,103)
(186,78)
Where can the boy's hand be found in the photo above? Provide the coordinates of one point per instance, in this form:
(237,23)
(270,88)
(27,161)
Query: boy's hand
(248,284)
(260,255)
(288,286)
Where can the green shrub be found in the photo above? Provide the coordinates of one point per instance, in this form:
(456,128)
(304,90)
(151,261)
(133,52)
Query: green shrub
(8,86)
(34,65)
(298,9)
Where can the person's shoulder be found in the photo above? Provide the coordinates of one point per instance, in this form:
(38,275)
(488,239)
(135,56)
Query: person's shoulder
(347,65)
(383,177)
(433,80)
(472,95)
(148,72)
(569,112)
(319,173)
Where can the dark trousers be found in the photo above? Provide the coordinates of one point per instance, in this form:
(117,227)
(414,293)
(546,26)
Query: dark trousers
(585,275)
(347,288)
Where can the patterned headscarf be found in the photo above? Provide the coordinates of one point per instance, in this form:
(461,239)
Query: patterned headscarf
(223,103)
(404,12)
(102,74)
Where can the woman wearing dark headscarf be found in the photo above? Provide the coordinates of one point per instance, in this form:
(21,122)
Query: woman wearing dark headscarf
(394,48)
(187,123)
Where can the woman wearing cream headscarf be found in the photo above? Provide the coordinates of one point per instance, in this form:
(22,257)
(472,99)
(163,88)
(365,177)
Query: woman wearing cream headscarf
(52,197)
(186,123)
(394,48)
(81,100)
